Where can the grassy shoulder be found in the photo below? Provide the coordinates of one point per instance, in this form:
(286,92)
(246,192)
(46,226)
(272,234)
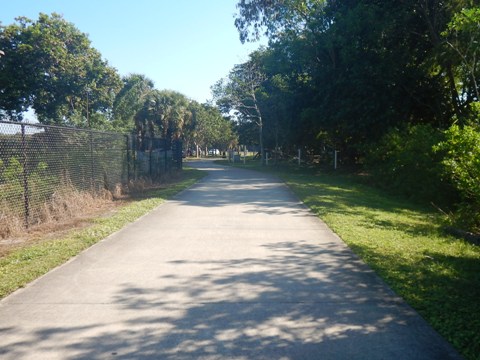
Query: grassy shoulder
(436,274)
(30,262)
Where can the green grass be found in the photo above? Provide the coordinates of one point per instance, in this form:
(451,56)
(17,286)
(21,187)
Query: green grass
(28,263)
(436,274)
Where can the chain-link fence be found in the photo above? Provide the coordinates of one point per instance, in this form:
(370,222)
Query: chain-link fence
(39,164)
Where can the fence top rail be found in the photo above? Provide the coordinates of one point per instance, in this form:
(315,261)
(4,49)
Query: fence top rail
(13,124)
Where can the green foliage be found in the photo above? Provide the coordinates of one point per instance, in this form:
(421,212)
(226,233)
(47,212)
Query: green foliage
(40,185)
(12,171)
(462,36)
(141,108)
(462,165)
(11,184)
(130,99)
(50,65)
(208,128)
(355,70)
(239,93)
(403,162)
(273,17)
(351,68)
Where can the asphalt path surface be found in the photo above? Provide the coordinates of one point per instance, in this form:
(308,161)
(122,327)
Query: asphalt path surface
(233,268)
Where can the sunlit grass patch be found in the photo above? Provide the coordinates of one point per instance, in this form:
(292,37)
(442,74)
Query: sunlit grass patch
(436,274)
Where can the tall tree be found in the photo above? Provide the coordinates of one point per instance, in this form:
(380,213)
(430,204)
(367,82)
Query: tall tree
(275,18)
(239,91)
(210,129)
(51,67)
(162,113)
(462,38)
(130,99)
(366,66)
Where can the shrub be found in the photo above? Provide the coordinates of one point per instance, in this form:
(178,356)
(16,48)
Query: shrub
(461,164)
(403,162)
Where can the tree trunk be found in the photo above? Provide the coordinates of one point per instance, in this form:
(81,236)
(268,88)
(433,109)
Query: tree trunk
(260,127)
(260,132)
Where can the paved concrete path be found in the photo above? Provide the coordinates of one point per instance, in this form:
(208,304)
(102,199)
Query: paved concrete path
(233,268)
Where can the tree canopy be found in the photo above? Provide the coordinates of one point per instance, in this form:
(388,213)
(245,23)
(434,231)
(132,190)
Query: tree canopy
(238,93)
(354,70)
(50,66)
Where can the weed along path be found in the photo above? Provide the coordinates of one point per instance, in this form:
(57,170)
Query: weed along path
(233,268)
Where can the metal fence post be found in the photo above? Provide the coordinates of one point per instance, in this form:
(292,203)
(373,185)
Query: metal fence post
(128,158)
(25,177)
(134,156)
(165,155)
(92,162)
(150,165)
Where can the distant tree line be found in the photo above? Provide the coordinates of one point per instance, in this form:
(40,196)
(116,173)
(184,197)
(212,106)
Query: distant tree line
(48,65)
(392,85)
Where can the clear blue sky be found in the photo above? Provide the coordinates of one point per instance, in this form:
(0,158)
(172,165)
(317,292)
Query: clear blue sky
(182,45)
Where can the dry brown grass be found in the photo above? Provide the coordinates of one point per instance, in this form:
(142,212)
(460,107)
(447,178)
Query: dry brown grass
(10,225)
(140,186)
(69,202)
(66,209)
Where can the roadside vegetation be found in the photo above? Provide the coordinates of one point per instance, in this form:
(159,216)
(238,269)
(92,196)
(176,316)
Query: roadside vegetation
(437,274)
(25,263)
(389,87)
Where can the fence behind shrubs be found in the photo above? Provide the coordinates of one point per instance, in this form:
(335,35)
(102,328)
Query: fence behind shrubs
(39,162)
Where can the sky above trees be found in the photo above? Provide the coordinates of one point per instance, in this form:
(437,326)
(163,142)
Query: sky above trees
(182,45)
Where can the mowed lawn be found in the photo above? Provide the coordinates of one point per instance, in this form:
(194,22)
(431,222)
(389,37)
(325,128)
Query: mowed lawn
(435,273)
